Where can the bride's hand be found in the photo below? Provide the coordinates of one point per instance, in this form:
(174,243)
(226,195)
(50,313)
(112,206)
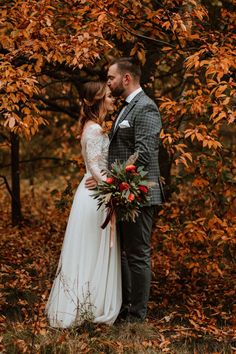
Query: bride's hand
(90,183)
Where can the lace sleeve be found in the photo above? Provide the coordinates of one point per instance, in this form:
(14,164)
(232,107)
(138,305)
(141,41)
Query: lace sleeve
(94,156)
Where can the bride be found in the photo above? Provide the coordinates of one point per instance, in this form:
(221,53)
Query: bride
(87,285)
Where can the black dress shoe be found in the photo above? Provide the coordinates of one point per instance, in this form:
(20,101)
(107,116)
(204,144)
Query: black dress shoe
(123,314)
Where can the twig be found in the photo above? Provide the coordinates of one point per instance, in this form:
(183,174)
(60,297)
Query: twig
(7,185)
(55,107)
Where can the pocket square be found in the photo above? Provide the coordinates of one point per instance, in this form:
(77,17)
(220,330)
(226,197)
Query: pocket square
(124,124)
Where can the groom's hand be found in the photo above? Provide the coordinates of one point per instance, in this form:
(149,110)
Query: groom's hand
(90,183)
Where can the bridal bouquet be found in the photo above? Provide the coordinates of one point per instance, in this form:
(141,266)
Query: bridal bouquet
(124,191)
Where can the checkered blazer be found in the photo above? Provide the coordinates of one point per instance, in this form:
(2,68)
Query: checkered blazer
(142,135)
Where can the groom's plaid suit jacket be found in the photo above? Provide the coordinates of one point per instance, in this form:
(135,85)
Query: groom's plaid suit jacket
(141,134)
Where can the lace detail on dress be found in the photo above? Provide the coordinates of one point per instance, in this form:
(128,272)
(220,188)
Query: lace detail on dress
(95,150)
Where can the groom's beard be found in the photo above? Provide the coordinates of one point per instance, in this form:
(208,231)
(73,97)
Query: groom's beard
(117,91)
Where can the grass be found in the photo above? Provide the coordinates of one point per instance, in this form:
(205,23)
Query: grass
(99,339)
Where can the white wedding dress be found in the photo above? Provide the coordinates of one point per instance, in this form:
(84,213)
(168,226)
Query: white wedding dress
(87,285)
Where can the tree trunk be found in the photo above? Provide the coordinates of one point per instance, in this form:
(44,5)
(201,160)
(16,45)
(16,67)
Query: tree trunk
(15,180)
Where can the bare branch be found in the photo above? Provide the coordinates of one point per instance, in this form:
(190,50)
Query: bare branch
(39,159)
(5,181)
(54,107)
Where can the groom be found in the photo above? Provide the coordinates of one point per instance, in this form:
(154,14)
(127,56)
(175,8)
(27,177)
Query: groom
(136,129)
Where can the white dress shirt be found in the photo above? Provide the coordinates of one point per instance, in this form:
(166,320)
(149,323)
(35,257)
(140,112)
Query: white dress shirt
(128,100)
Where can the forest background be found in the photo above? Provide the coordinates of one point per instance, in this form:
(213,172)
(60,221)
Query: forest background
(48,49)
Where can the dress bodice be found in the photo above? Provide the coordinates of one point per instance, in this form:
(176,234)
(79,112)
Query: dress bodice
(95,150)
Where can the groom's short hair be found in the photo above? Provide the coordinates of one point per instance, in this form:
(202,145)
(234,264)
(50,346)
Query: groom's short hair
(128,64)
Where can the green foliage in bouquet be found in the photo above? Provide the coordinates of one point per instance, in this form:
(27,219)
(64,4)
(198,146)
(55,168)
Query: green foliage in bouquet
(124,191)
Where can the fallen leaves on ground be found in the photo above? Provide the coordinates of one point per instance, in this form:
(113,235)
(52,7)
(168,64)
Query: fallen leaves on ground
(192,295)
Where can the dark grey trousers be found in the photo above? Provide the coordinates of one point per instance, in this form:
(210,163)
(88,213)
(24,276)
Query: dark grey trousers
(135,262)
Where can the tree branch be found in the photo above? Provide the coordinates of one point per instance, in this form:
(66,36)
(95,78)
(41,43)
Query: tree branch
(147,37)
(5,181)
(38,159)
(135,34)
(56,108)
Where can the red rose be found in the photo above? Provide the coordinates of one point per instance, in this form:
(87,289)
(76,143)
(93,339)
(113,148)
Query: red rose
(109,180)
(131,197)
(124,186)
(130,168)
(142,188)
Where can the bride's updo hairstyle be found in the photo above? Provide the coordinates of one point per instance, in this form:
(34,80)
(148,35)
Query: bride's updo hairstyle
(93,103)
